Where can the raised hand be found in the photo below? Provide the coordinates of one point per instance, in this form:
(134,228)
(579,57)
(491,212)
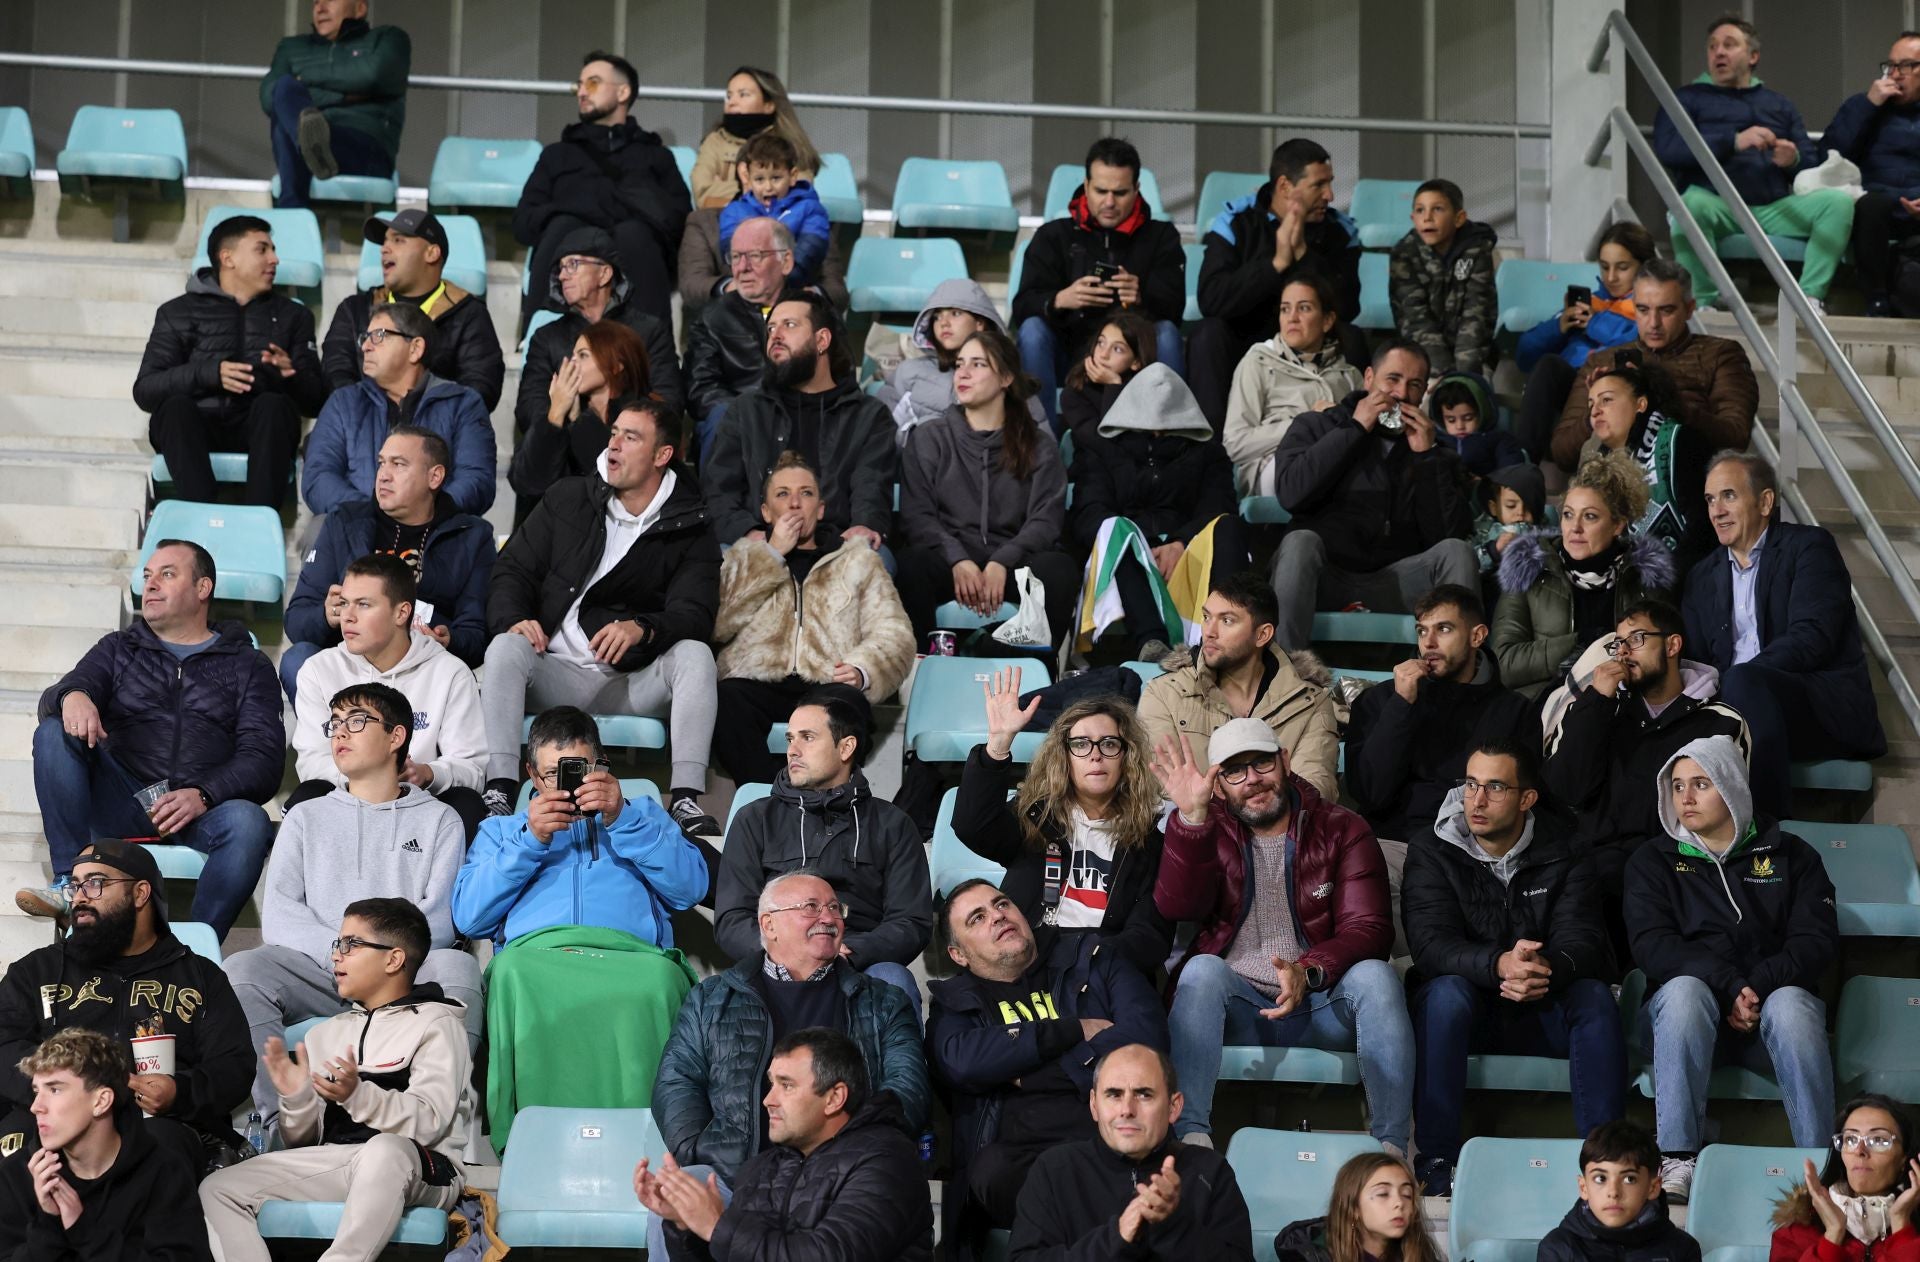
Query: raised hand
(287,1070)
(1006,717)
(1833,1219)
(1186,784)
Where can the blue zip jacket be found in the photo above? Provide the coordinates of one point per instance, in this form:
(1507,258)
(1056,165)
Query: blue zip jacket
(344,448)
(1606,329)
(1722,114)
(805,217)
(1882,140)
(627,877)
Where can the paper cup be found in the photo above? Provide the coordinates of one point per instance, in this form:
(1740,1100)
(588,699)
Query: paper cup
(153,1054)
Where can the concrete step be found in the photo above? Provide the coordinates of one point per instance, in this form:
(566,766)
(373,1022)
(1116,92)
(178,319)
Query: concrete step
(75,479)
(47,650)
(21,934)
(110,529)
(65,375)
(16,781)
(32,681)
(30,416)
(92,317)
(20,875)
(40,281)
(91,601)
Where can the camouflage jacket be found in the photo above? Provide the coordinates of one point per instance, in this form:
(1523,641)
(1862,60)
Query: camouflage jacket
(1446,302)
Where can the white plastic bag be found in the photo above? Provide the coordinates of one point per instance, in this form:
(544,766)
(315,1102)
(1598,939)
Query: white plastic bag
(1029,625)
(1835,172)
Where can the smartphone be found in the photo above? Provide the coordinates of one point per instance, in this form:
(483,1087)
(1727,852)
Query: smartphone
(571,774)
(1579,295)
(1104,271)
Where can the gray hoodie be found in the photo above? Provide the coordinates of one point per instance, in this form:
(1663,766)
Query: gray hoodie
(335,850)
(1720,758)
(1156,401)
(1451,826)
(957,501)
(919,389)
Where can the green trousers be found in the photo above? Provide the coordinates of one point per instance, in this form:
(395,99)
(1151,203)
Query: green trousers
(1823,219)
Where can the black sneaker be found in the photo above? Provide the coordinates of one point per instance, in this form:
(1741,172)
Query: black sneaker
(1435,1175)
(693,821)
(498,803)
(316,145)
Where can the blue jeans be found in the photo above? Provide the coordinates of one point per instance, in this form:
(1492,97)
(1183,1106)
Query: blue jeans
(899,975)
(1366,1011)
(84,792)
(292,658)
(707,428)
(1045,359)
(656,1229)
(1453,1018)
(1687,1034)
(356,152)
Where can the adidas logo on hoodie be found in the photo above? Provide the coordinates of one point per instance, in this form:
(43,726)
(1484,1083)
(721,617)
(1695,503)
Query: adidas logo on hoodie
(412,846)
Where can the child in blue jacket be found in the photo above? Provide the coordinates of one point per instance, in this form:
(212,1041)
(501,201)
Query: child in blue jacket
(769,191)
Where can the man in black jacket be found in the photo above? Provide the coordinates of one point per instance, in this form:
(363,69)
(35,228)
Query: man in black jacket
(1108,254)
(172,707)
(727,344)
(1254,246)
(230,366)
(606,172)
(1509,953)
(1133,1192)
(841,1169)
(605,600)
(1381,511)
(413,257)
(810,402)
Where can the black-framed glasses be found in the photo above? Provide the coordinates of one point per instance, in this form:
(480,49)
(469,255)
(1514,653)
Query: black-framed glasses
(1873,1141)
(347,946)
(1633,640)
(813,909)
(1496,790)
(95,886)
(1083,746)
(1898,67)
(548,779)
(375,337)
(355,723)
(1262,763)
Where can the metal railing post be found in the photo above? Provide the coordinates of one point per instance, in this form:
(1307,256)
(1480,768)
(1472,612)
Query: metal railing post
(1788,356)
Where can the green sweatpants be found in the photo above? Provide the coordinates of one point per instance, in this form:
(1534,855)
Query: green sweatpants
(1823,219)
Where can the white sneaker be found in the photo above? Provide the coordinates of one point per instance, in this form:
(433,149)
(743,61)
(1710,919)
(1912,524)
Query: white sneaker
(1819,307)
(1676,1178)
(1198,1139)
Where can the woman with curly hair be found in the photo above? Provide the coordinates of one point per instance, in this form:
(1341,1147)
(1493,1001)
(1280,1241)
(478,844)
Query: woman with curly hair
(1862,1204)
(756,101)
(1557,596)
(1081,841)
(1373,1216)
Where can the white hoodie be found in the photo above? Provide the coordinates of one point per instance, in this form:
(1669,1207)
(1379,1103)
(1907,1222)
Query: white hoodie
(449,733)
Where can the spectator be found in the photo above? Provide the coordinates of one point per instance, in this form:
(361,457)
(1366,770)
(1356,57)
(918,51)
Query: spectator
(1381,510)
(92,1184)
(1759,139)
(1124,347)
(840,1172)
(230,366)
(1081,840)
(811,402)
(1153,485)
(1374,1212)
(336,99)
(120,945)
(605,599)
(1879,131)
(375,1103)
(1442,282)
(1469,424)
(170,706)
(1290,893)
(1178,1201)
(1557,596)
(706,1099)
(609,362)
(1301,369)
(756,103)
(1012,1039)
(1255,247)
(1108,254)
(343,452)
(1710,375)
(1240,672)
(1600,318)
(1632,411)
(413,260)
(705,273)
(446,754)
(402,844)
(449,552)
(921,388)
(770,189)
(1511,500)
(1871,1167)
(1620,1212)
(606,172)
(1509,953)
(1733,921)
(727,345)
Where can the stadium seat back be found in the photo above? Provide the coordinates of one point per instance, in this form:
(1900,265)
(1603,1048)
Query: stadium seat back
(1068,178)
(1287,1176)
(320,1220)
(1221,187)
(349,190)
(839,191)
(566,1180)
(1528,291)
(1196,255)
(1383,210)
(296,239)
(1016,265)
(538,321)
(249,551)
(198,938)
(472,172)
(16,144)
(743,795)
(1876,884)
(683,158)
(1376,307)
(900,273)
(1876,1031)
(622,731)
(950,193)
(123,144)
(1734,1190)
(947,710)
(1507,1194)
(951,861)
(466,257)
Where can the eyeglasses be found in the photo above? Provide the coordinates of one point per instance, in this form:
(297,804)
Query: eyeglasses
(1261,763)
(95,886)
(1083,746)
(377,336)
(1634,640)
(588,83)
(551,777)
(1874,1141)
(1898,67)
(347,946)
(574,263)
(355,723)
(813,909)
(1496,790)
(754,258)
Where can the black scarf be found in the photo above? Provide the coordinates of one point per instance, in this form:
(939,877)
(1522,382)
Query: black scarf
(741,126)
(1593,581)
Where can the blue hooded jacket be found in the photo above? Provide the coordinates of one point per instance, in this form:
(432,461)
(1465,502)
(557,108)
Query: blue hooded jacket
(343,451)
(1604,330)
(1882,140)
(804,215)
(1721,114)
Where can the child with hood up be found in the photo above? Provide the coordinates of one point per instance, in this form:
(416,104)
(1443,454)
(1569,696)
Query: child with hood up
(1511,500)
(921,387)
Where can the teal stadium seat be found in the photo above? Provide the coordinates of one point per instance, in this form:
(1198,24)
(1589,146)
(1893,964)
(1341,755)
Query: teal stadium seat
(1531,290)
(1363,628)
(684,157)
(954,616)
(622,731)
(1148,671)
(1240,1063)
(16,152)
(838,190)
(631,788)
(1507,1194)
(198,938)
(950,860)
(296,239)
(349,190)
(1842,775)
(900,274)
(177,861)
(298,1031)
(466,256)
(947,711)
(1875,882)
(1068,178)
(1734,1191)
(126,148)
(1196,255)
(539,321)
(743,794)
(1383,210)
(1376,308)
(567,1178)
(1877,1028)
(1728,1082)
(1287,1176)
(471,173)
(228,466)
(949,193)
(320,1220)
(1221,187)
(1264,510)
(249,551)
(1016,264)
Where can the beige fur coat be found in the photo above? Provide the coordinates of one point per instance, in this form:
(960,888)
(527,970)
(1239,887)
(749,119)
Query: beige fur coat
(846,611)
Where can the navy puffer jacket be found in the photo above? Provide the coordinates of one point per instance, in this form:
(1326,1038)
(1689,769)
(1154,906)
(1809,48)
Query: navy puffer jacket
(1883,141)
(1722,114)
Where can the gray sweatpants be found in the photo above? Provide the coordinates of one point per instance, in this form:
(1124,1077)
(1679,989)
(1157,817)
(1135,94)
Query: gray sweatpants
(1304,580)
(279,986)
(679,684)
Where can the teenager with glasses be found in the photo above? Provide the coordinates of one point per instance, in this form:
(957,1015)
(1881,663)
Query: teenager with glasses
(1861,1204)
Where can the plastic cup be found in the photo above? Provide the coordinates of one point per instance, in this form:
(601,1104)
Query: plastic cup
(150,796)
(153,1054)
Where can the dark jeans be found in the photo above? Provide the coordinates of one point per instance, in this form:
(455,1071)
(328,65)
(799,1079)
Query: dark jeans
(466,803)
(748,710)
(1048,357)
(925,581)
(1877,225)
(1231,554)
(1215,349)
(84,793)
(356,153)
(643,260)
(1786,721)
(1541,403)
(1453,1018)
(268,431)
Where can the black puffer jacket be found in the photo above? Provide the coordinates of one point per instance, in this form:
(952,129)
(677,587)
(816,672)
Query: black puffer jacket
(1075,1194)
(194,333)
(465,349)
(605,175)
(1064,250)
(726,352)
(849,434)
(212,721)
(1652,1237)
(1237,280)
(669,581)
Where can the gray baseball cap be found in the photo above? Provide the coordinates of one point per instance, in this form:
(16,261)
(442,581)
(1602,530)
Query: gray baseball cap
(1240,736)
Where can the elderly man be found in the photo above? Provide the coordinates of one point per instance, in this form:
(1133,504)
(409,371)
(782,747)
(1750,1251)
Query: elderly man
(336,98)
(1879,131)
(727,345)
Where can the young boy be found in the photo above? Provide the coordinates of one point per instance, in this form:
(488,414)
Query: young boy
(1511,499)
(91,1183)
(378,835)
(1462,404)
(1440,282)
(769,191)
(1621,1213)
(378,1137)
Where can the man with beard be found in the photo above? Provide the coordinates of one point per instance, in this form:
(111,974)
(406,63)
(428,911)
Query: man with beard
(122,972)
(727,343)
(811,403)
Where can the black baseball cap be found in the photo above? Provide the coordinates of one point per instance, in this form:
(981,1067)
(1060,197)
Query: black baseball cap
(133,859)
(412,222)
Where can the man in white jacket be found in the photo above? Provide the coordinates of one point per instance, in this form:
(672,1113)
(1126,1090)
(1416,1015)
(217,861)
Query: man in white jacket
(381,641)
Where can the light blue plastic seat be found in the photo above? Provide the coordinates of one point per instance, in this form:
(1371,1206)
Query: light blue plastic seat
(900,273)
(684,157)
(198,937)
(1875,882)
(124,146)
(470,172)
(777,739)
(320,1220)
(296,239)
(466,256)
(1507,1194)
(949,860)
(1240,1063)
(177,861)
(249,550)
(1735,1188)
(1364,628)
(1843,775)
(951,193)
(228,466)
(1376,307)
(632,788)
(622,731)
(16,151)
(298,1031)
(1069,177)
(1221,187)
(1531,290)
(566,1181)
(947,711)
(954,616)
(1383,209)
(1287,1176)
(1016,264)
(1148,671)
(349,190)
(1728,1082)
(838,190)
(1876,1030)
(1196,256)
(1264,510)
(743,794)
(539,320)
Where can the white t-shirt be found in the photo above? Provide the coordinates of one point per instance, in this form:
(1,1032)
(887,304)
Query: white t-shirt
(571,643)
(1083,903)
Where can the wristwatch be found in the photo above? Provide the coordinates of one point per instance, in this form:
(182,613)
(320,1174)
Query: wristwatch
(205,797)
(1316,976)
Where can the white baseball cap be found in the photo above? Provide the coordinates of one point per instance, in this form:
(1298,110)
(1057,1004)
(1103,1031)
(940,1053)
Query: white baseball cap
(1240,736)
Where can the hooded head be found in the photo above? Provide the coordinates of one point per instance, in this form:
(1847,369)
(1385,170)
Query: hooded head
(959,294)
(1156,401)
(1524,480)
(592,244)
(1682,808)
